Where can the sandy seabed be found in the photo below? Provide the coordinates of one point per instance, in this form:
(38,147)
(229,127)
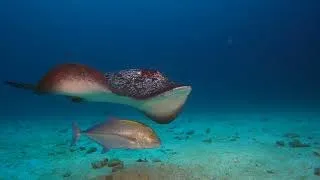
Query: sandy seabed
(199,145)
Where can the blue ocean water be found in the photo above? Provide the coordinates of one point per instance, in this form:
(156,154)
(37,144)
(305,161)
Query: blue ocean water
(253,67)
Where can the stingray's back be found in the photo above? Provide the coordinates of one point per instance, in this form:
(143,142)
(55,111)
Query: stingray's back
(71,78)
(139,83)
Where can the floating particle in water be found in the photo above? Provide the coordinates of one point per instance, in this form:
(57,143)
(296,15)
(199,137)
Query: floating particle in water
(291,135)
(208,130)
(280,143)
(66,174)
(316,151)
(156,160)
(316,171)
(190,132)
(230,41)
(209,140)
(270,171)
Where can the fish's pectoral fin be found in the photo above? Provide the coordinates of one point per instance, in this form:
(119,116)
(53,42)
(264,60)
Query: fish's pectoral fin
(165,107)
(76,132)
(19,85)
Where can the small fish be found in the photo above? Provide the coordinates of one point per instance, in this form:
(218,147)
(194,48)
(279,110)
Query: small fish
(116,133)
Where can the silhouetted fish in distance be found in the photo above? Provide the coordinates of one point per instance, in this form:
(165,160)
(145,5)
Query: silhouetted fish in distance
(116,133)
(147,90)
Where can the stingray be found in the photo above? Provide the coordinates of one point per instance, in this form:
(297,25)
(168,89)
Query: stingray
(146,90)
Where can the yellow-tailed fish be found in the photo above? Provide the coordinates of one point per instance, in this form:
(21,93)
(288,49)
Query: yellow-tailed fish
(116,133)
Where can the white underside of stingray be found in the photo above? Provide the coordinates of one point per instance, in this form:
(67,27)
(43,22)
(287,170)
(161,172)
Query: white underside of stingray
(162,105)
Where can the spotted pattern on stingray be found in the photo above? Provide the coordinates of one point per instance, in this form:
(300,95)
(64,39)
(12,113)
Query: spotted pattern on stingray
(139,83)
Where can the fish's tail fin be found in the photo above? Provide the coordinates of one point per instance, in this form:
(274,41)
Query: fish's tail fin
(76,132)
(20,85)
(165,107)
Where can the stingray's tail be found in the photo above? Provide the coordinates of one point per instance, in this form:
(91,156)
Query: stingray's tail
(165,107)
(19,85)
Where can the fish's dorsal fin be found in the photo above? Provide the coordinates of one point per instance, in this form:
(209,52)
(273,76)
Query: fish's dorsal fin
(111,119)
(103,126)
(129,122)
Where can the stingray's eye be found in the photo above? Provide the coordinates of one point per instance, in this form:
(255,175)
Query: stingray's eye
(82,72)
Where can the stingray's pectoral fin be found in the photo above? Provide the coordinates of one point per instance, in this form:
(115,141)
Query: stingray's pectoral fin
(165,107)
(19,85)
